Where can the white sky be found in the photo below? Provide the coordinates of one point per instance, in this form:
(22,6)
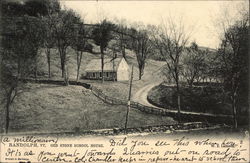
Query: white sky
(198,14)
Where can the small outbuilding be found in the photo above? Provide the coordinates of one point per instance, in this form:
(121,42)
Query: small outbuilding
(114,69)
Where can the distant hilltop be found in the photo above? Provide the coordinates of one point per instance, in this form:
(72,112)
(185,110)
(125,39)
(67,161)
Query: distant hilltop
(207,48)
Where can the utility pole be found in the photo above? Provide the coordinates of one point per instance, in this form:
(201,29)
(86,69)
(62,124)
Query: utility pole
(129,96)
(113,66)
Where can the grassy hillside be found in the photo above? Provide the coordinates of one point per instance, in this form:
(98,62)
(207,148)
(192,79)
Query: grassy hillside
(57,108)
(48,108)
(56,65)
(115,89)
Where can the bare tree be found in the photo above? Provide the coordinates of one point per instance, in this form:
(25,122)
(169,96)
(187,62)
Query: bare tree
(193,63)
(79,45)
(142,47)
(233,52)
(10,85)
(171,42)
(121,36)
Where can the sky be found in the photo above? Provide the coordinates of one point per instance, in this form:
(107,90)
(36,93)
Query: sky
(199,17)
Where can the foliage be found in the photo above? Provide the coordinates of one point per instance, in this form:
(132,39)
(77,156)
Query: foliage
(22,36)
(233,54)
(102,34)
(205,99)
(65,30)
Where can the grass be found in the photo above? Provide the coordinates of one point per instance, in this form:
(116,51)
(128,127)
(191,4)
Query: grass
(114,89)
(56,66)
(49,108)
(43,107)
(207,99)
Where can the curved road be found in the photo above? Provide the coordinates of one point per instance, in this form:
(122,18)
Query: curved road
(141,95)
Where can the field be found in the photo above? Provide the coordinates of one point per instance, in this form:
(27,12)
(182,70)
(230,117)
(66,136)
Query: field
(49,108)
(57,108)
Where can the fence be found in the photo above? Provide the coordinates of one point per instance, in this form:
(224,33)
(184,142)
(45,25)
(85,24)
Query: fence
(107,99)
(185,116)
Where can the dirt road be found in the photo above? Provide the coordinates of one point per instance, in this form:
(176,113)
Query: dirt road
(141,95)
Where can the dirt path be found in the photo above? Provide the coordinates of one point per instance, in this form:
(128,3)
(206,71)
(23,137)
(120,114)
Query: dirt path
(141,95)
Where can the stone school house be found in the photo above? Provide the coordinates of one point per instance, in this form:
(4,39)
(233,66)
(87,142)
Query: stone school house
(114,69)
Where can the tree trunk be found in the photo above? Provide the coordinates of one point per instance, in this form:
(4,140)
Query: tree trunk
(123,52)
(140,74)
(66,75)
(19,67)
(234,110)
(122,48)
(79,59)
(62,68)
(178,94)
(9,101)
(190,83)
(35,67)
(48,61)
(178,102)
(63,60)
(7,114)
(102,62)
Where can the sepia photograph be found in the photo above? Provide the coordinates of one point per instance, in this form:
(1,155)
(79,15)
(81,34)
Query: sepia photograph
(124,71)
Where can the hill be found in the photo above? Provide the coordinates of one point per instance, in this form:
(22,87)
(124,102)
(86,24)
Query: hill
(52,108)
(48,108)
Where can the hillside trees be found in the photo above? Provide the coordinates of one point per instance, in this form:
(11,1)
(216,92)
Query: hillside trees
(13,56)
(102,35)
(80,45)
(49,40)
(52,7)
(121,33)
(34,36)
(233,54)
(20,36)
(63,26)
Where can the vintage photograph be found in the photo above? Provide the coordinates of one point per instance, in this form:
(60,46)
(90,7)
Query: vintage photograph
(76,67)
